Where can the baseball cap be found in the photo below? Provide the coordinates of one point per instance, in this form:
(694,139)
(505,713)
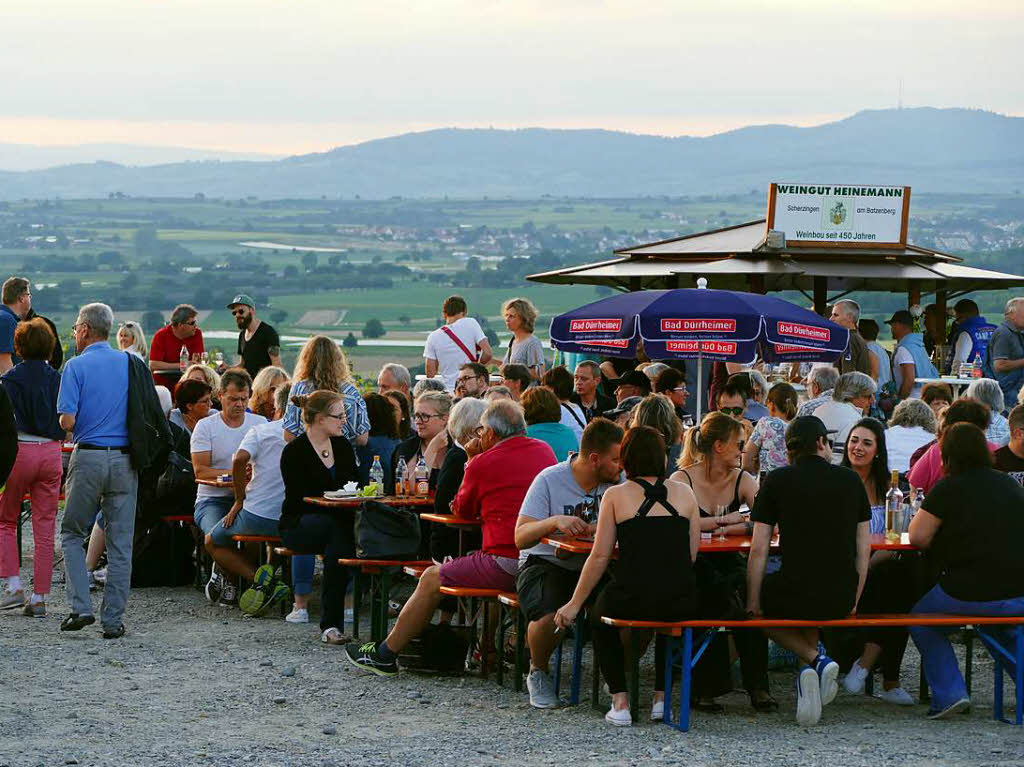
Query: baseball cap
(632,378)
(903,317)
(244,300)
(803,433)
(623,407)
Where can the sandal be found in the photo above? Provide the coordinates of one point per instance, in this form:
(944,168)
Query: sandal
(334,636)
(764,705)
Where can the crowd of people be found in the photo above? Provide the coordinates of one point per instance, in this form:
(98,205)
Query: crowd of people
(608,448)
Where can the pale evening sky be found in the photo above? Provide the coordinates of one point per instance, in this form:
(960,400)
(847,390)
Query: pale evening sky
(307,75)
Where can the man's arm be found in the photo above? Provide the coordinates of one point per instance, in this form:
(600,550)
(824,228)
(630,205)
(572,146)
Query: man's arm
(872,365)
(239,479)
(1007,366)
(156,365)
(274,352)
(430,367)
(863,557)
(529,531)
(6,363)
(201,465)
(756,562)
(67,422)
(486,355)
(908,372)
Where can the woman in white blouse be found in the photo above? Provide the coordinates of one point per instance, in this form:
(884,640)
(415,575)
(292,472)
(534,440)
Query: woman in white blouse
(912,425)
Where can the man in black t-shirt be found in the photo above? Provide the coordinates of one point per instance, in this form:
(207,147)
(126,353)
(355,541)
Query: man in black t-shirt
(258,343)
(823,515)
(1010,458)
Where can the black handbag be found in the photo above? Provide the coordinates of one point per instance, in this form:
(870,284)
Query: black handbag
(383,532)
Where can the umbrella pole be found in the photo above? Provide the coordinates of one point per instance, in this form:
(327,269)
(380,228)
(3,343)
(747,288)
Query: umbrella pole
(700,388)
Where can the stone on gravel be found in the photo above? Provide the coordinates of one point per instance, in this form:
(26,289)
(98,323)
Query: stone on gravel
(289,671)
(330,731)
(280,699)
(266,663)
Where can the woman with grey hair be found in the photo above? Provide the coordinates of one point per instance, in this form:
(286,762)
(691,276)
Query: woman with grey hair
(463,421)
(427,384)
(989,392)
(911,426)
(851,400)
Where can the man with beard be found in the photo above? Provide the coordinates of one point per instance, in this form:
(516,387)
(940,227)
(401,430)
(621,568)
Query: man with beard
(258,343)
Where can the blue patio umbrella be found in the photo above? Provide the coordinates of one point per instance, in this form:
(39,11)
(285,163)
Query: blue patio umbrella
(699,323)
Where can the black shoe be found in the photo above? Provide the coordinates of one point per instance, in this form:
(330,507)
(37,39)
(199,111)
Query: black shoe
(366,657)
(764,705)
(114,633)
(707,706)
(76,622)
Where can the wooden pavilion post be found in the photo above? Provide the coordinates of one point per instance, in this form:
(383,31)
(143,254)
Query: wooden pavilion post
(913,293)
(756,284)
(820,295)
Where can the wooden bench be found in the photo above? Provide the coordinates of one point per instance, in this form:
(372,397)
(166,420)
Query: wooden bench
(379,573)
(679,650)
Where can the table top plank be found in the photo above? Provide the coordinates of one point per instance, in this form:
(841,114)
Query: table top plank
(354,502)
(732,544)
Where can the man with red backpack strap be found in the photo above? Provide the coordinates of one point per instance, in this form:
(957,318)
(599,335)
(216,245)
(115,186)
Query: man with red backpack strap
(458,341)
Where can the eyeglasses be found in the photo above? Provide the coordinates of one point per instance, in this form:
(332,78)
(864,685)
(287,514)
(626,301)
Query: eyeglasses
(236,312)
(190,322)
(463,379)
(734,411)
(478,432)
(679,389)
(424,416)
(339,416)
(78,325)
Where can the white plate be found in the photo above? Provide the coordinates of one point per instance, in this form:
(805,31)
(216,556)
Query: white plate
(336,495)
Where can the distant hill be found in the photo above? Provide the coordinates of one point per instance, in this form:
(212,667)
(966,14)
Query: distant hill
(20,157)
(933,150)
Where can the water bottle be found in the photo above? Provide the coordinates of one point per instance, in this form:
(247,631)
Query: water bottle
(401,470)
(422,478)
(183,358)
(377,473)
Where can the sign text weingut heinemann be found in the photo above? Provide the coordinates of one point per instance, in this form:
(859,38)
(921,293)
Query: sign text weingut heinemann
(839,214)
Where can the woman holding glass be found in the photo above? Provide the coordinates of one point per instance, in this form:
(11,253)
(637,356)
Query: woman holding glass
(710,466)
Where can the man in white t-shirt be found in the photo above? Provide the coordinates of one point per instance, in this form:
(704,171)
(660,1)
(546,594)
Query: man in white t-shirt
(214,442)
(257,503)
(459,341)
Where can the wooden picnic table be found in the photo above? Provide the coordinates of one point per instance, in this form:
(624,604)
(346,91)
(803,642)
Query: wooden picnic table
(731,545)
(354,501)
(451,519)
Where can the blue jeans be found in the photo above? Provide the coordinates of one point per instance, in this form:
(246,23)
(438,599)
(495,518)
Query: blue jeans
(210,510)
(246,523)
(937,657)
(303,566)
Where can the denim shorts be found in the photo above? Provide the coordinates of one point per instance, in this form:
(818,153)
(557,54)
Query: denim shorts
(246,523)
(211,510)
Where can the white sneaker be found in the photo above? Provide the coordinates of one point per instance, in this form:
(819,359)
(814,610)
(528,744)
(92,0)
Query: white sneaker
(657,710)
(619,718)
(897,696)
(541,689)
(11,599)
(808,697)
(100,575)
(855,679)
(298,615)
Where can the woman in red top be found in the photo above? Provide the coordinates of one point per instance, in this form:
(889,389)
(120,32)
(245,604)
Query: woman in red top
(503,463)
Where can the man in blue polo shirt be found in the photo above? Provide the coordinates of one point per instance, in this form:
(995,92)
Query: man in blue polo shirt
(93,405)
(17,302)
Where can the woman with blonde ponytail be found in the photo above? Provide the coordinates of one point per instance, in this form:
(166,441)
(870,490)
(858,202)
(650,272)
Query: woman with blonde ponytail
(710,465)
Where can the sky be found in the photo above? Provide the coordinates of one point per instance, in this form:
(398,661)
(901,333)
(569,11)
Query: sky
(293,76)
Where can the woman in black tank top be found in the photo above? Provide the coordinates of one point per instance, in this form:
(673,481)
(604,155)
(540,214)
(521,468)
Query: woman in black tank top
(710,466)
(655,525)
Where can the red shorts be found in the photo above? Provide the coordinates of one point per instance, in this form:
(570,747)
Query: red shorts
(477,570)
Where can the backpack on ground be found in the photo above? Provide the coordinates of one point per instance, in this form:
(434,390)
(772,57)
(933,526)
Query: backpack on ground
(439,649)
(162,555)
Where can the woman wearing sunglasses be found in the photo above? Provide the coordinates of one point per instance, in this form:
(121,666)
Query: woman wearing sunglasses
(710,465)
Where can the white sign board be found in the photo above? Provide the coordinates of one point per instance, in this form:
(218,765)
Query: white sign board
(840,214)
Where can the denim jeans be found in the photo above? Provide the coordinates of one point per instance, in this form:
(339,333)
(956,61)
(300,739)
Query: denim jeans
(103,478)
(937,657)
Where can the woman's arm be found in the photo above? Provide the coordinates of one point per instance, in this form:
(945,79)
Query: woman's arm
(923,528)
(759,547)
(863,556)
(597,561)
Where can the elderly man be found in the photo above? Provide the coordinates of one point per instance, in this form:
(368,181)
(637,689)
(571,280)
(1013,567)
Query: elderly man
(1004,358)
(165,349)
(93,405)
(820,382)
(394,377)
(16,295)
(632,383)
(586,394)
(259,346)
(472,380)
(503,462)
(910,360)
(856,357)
(851,400)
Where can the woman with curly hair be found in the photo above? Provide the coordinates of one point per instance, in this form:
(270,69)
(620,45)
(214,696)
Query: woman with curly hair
(322,367)
(524,348)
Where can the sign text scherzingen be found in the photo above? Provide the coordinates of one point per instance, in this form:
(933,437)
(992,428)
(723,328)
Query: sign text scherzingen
(840,214)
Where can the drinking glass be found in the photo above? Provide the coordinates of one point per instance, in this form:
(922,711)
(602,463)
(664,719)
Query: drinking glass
(219,358)
(721,510)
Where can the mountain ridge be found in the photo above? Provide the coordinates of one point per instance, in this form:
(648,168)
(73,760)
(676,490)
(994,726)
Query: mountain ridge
(931,149)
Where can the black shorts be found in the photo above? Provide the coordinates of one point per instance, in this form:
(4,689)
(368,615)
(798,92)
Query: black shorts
(780,600)
(543,587)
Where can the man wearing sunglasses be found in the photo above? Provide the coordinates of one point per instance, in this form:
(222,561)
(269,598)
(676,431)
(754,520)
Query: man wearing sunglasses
(258,343)
(165,350)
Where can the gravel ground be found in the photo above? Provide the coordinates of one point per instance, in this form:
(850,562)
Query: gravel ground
(195,684)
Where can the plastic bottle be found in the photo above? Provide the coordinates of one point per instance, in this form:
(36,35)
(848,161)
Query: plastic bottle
(183,358)
(377,473)
(401,478)
(893,509)
(422,478)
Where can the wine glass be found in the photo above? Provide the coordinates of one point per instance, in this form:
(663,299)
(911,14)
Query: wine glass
(721,510)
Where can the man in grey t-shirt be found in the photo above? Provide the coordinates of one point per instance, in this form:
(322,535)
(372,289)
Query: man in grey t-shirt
(564,498)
